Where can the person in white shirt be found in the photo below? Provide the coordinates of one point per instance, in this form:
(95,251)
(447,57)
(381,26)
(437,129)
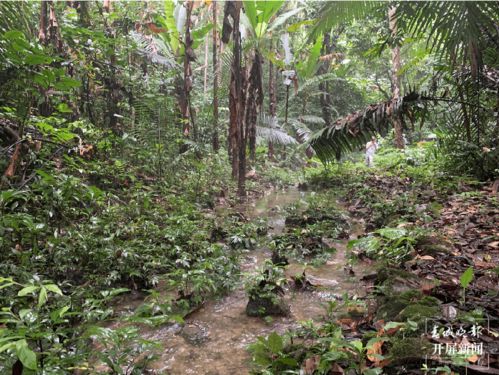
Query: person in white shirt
(371,148)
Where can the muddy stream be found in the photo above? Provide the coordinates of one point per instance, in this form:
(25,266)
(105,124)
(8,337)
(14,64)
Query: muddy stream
(214,339)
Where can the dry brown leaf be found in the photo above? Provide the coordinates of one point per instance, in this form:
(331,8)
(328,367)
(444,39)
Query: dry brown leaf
(374,351)
(311,364)
(336,369)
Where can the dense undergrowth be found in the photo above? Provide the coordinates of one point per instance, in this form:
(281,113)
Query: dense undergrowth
(87,229)
(430,273)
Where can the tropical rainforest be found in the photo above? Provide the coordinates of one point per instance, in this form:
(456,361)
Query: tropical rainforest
(249,187)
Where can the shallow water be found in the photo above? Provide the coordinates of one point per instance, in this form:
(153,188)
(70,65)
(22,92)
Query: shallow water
(214,339)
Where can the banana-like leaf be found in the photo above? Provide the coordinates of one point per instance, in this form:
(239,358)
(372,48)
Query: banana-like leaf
(280,20)
(260,12)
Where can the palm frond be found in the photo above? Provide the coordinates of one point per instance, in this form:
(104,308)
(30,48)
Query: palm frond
(303,132)
(269,131)
(312,119)
(274,135)
(335,12)
(450,26)
(351,132)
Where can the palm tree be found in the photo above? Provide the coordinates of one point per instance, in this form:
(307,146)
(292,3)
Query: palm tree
(457,31)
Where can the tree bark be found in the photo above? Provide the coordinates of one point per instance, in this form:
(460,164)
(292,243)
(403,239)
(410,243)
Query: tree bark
(396,121)
(272,105)
(325,97)
(236,123)
(215,139)
(188,57)
(55,36)
(255,96)
(42,30)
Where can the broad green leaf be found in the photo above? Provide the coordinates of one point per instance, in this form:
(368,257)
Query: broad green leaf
(66,83)
(308,67)
(357,344)
(296,26)
(59,313)
(53,288)
(38,59)
(199,34)
(392,233)
(275,343)
(42,297)
(466,277)
(13,34)
(280,20)
(170,25)
(288,361)
(26,355)
(9,345)
(64,108)
(27,290)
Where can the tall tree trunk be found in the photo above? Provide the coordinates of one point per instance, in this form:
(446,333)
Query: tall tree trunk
(215,139)
(205,69)
(397,123)
(55,36)
(255,96)
(466,118)
(325,98)
(107,6)
(188,57)
(272,105)
(236,124)
(42,29)
(82,7)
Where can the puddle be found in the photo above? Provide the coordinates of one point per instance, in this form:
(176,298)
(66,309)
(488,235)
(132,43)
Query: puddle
(214,339)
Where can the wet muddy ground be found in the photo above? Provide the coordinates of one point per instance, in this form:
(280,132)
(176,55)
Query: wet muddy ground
(214,339)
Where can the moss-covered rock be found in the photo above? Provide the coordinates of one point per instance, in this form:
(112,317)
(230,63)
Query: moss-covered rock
(410,304)
(264,306)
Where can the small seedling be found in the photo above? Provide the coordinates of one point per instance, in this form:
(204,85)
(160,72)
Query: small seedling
(465,280)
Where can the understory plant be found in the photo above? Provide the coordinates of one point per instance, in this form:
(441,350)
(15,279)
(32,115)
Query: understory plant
(392,245)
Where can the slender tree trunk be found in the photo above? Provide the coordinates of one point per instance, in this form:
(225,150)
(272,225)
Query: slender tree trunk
(325,98)
(242,133)
(42,30)
(272,105)
(466,119)
(215,141)
(107,6)
(255,96)
(286,109)
(205,69)
(55,36)
(188,57)
(397,123)
(236,124)
(83,15)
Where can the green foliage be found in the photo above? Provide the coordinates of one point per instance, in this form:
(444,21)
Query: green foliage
(266,283)
(392,245)
(122,350)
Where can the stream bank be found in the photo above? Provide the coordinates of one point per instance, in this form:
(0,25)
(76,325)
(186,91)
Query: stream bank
(214,339)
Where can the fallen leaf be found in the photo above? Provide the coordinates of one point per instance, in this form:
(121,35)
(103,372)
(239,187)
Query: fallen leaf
(311,364)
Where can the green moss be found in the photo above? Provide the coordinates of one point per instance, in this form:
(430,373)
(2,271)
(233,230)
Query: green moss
(411,304)
(408,348)
(417,312)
